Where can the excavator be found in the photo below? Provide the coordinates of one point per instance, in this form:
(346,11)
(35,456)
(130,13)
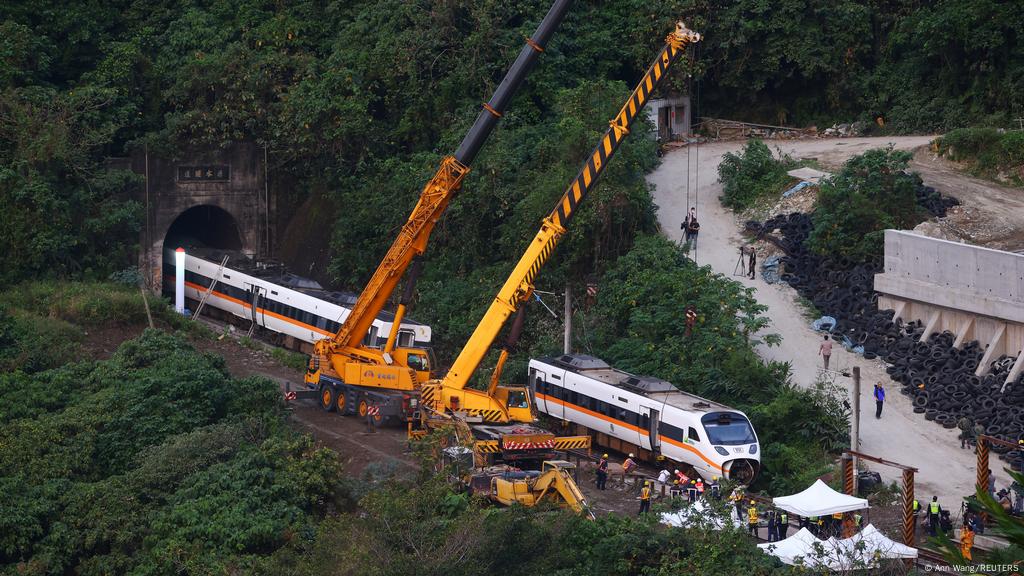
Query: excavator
(346,374)
(554,483)
(500,419)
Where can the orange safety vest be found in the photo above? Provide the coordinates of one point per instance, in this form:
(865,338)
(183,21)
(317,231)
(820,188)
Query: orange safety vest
(752,515)
(966,543)
(645,494)
(700,486)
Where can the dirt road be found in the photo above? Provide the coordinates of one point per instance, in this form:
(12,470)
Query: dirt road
(946,471)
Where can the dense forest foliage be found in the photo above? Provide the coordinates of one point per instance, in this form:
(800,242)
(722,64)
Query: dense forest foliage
(151,462)
(356,100)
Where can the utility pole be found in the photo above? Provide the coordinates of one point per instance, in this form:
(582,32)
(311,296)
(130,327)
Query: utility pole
(855,424)
(567,347)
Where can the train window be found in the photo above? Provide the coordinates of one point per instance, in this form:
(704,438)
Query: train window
(645,421)
(406,338)
(693,435)
(274,292)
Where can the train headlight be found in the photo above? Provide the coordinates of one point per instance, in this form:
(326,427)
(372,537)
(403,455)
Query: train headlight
(753,448)
(721,451)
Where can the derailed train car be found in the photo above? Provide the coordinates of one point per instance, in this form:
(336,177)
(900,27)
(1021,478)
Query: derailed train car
(647,416)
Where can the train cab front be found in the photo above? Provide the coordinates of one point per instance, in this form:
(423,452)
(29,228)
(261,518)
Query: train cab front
(736,447)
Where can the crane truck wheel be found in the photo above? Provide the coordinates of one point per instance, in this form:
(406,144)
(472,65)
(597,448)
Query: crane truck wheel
(363,406)
(341,404)
(327,394)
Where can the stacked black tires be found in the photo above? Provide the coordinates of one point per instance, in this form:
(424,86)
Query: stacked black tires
(938,377)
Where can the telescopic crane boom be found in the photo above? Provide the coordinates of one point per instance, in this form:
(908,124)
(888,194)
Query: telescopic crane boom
(342,356)
(507,404)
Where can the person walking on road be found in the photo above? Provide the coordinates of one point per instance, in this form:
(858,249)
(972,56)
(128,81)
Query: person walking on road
(688,234)
(645,498)
(879,399)
(602,472)
(964,424)
(753,261)
(694,231)
(825,350)
(979,430)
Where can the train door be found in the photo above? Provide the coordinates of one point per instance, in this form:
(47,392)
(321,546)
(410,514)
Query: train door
(257,303)
(651,417)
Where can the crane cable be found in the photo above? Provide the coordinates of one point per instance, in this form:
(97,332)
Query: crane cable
(696,185)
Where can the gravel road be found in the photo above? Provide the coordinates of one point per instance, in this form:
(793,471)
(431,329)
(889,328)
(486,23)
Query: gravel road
(900,435)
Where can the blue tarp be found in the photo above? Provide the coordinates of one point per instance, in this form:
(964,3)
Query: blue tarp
(796,189)
(770,269)
(824,324)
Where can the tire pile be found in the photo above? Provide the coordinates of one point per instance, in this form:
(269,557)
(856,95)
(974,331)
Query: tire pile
(938,377)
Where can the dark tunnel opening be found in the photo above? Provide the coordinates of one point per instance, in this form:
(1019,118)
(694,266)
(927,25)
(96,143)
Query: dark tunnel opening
(204,226)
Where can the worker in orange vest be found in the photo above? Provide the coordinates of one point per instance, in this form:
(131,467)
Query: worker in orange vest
(700,487)
(966,541)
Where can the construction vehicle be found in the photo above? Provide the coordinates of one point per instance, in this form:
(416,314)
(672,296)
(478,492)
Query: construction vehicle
(500,405)
(500,419)
(348,374)
(553,483)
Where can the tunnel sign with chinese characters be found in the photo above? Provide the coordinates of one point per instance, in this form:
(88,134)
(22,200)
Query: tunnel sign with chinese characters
(211,173)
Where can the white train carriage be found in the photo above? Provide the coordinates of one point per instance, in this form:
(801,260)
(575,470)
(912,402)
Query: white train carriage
(646,413)
(291,312)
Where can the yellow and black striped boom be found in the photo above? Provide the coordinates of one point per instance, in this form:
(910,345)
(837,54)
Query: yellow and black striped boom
(519,285)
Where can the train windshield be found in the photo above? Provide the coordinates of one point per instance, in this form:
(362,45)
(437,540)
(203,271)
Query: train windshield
(728,428)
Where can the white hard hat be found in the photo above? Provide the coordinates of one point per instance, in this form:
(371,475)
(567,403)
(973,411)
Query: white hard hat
(676,471)
(630,454)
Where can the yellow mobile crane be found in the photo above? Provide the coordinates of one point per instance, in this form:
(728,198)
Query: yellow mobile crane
(505,404)
(342,370)
(501,415)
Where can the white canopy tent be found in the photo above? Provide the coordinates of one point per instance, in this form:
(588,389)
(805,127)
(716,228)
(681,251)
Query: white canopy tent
(862,550)
(819,500)
(699,514)
(875,546)
(797,546)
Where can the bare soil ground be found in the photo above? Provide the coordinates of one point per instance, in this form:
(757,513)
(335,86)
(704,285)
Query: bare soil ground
(900,435)
(991,215)
(345,435)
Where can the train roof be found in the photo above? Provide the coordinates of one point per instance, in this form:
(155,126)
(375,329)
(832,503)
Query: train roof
(275,273)
(649,386)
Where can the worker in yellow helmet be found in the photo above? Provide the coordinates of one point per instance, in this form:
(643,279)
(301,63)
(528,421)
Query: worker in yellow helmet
(752,518)
(645,497)
(602,472)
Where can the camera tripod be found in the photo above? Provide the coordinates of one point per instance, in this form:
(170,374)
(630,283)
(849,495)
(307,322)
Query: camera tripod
(741,265)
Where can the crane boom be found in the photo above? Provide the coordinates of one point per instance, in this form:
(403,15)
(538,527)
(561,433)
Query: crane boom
(451,391)
(434,199)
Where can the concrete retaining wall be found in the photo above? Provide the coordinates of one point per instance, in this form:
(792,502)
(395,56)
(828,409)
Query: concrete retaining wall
(976,293)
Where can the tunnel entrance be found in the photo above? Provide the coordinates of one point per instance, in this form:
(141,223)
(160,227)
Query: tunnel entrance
(205,225)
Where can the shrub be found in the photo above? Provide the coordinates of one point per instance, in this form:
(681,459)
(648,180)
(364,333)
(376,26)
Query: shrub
(752,174)
(872,192)
(987,152)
